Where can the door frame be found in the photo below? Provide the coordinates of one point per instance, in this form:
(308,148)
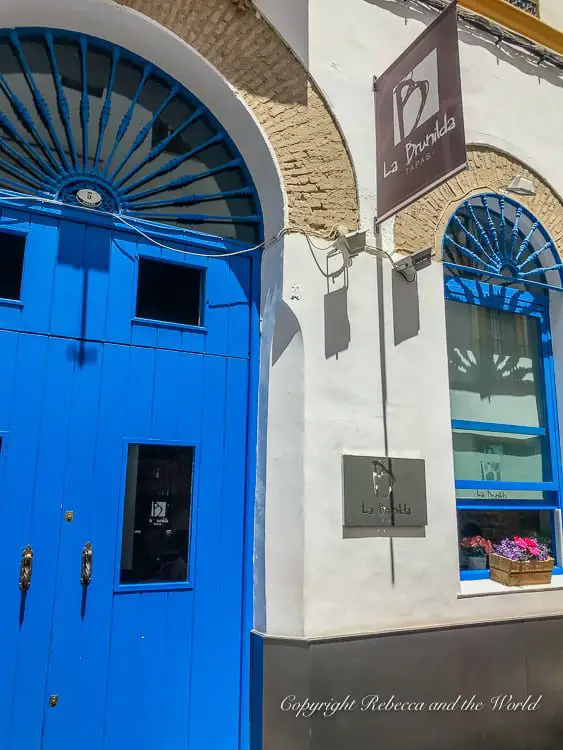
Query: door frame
(4,442)
(202,244)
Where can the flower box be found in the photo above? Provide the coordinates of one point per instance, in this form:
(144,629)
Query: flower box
(517,573)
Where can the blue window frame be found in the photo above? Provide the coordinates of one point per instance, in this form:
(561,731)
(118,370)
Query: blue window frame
(12,266)
(502,384)
(134,523)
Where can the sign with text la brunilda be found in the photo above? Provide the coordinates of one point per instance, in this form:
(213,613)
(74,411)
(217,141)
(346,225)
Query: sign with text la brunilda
(419,117)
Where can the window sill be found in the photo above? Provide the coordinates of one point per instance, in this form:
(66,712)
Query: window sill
(146,588)
(486,587)
(4,301)
(168,324)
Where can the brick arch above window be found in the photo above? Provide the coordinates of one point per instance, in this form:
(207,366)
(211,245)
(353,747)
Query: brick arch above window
(316,167)
(490,170)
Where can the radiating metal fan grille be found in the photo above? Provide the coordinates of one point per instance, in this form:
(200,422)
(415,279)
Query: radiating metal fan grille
(530,6)
(493,238)
(77,113)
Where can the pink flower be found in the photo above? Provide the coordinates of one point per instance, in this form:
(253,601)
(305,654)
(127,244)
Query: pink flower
(476,543)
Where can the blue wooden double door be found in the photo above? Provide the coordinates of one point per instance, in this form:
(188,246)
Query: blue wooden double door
(122,491)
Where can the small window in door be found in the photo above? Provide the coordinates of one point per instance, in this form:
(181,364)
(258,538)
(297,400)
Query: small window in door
(157,514)
(12,249)
(169,292)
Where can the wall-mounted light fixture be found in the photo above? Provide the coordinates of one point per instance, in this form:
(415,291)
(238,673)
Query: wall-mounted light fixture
(354,242)
(521,185)
(409,267)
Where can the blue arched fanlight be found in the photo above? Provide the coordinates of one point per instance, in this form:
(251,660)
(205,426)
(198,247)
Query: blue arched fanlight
(493,238)
(89,123)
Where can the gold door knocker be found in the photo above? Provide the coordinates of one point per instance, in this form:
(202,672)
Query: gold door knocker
(86,566)
(26,567)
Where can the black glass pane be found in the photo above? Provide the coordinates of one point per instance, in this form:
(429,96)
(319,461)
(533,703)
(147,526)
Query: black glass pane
(169,292)
(157,513)
(12,249)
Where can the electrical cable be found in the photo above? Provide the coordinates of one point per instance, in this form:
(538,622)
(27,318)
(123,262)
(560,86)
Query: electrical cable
(498,33)
(327,275)
(261,246)
(390,257)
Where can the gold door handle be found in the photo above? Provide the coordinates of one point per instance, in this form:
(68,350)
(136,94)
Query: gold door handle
(26,568)
(86,566)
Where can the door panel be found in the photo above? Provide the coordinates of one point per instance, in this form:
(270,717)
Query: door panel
(40,264)
(36,417)
(79,281)
(132,665)
(183,637)
(82,634)
(69,281)
(70,662)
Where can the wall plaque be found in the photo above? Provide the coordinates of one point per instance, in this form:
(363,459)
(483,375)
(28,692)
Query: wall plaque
(380,491)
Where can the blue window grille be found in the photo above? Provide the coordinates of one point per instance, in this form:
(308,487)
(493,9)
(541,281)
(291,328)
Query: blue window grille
(78,114)
(492,238)
(500,259)
(530,6)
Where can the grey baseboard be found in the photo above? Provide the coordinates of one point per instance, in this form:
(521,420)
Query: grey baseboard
(431,669)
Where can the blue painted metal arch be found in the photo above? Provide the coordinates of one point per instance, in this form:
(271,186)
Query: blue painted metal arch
(493,238)
(79,113)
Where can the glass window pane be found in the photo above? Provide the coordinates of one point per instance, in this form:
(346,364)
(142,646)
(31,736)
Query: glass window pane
(495,525)
(156,521)
(169,292)
(499,457)
(494,365)
(12,249)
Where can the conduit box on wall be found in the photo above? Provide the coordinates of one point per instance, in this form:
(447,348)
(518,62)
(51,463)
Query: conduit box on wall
(383,491)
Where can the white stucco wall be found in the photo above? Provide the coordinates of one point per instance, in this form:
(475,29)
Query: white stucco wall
(361,582)
(551,11)
(291,20)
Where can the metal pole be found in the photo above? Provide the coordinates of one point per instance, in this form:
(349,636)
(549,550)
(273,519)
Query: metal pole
(383,374)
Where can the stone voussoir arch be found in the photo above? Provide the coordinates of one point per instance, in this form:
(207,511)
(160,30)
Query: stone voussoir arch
(315,165)
(489,170)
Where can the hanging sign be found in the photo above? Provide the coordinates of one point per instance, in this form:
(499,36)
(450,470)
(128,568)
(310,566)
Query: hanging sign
(419,117)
